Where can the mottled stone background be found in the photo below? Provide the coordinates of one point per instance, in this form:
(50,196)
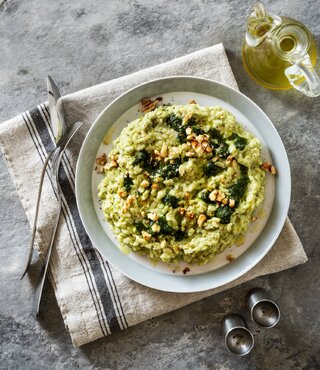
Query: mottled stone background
(85,42)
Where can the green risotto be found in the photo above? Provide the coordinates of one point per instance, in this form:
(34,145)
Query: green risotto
(181,183)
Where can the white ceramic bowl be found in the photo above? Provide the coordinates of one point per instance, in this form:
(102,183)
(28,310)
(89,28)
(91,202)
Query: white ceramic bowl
(179,90)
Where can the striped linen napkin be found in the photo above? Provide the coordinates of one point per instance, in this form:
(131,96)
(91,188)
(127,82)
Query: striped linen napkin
(95,298)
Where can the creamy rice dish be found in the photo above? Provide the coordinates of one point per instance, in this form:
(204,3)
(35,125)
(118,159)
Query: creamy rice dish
(181,183)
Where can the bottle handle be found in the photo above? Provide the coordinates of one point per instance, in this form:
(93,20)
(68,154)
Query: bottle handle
(303,77)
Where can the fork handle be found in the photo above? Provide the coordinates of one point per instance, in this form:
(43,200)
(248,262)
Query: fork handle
(34,228)
(44,269)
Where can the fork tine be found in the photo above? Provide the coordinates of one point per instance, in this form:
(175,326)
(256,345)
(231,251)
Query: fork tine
(58,155)
(70,134)
(60,150)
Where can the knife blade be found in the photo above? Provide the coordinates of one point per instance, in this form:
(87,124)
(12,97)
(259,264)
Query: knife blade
(56,110)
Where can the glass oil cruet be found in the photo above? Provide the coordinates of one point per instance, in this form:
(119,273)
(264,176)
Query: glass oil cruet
(280,53)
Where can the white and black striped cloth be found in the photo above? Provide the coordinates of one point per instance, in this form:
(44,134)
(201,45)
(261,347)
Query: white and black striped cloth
(96,299)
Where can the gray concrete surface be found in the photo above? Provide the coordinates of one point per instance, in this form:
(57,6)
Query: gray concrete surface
(85,42)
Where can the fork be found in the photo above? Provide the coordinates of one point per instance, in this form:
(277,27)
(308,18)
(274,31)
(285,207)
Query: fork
(61,144)
(56,160)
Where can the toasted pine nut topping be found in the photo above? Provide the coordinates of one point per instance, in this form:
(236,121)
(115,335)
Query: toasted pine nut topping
(232,203)
(153,216)
(164,150)
(202,218)
(267,166)
(145,235)
(144,183)
(230,258)
(188,130)
(113,164)
(155,228)
(102,160)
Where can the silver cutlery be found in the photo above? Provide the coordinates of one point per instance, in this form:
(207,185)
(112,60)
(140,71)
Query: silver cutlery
(55,181)
(59,131)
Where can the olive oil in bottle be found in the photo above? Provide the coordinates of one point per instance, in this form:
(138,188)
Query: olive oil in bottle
(280,53)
